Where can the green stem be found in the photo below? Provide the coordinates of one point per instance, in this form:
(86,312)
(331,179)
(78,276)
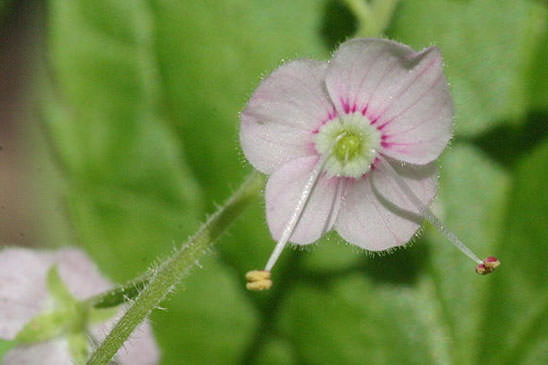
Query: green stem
(373,16)
(171,271)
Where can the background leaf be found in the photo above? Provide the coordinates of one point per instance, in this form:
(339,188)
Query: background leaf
(211,61)
(488,46)
(129,191)
(518,297)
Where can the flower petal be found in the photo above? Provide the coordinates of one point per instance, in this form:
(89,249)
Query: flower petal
(79,273)
(285,109)
(403,93)
(375,214)
(283,190)
(22,288)
(140,348)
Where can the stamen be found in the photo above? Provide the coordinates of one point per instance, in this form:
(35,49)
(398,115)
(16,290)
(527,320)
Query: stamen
(334,205)
(299,209)
(258,280)
(294,219)
(488,265)
(483,267)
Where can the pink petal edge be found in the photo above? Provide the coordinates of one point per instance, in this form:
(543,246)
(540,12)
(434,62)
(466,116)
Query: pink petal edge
(278,123)
(22,287)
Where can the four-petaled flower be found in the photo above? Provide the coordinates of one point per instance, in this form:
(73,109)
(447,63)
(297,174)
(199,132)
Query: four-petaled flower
(350,144)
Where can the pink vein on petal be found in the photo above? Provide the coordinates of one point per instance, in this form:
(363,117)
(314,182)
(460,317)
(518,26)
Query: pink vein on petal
(370,67)
(436,112)
(415,102)
(405,89)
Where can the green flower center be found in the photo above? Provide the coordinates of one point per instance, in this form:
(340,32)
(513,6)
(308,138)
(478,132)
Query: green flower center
(351,143)
(348,147)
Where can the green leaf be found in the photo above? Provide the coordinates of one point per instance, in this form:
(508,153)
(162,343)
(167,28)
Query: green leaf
(517,302)
(345,322)
(276,351)
(129,191)
(538,77)
(473,195)
(488,47)
(209,321)
(4,7)
(211,55)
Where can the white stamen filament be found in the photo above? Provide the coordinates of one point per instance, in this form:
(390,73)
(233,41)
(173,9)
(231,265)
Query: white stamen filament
(301,205)
(334,206)
(428,214)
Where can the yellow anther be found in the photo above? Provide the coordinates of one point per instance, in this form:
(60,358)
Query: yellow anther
(258,280)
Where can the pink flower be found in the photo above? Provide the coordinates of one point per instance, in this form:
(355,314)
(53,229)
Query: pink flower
(24,296)
(350,144)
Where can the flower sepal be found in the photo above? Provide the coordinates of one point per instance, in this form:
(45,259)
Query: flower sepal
(68,314)
(70,318)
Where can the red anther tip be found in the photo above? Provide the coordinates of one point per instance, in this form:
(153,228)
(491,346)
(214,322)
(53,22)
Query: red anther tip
(491,263)
(488,266)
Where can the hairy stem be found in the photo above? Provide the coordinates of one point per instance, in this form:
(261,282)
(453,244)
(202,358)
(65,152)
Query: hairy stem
(373,16)
(172,270)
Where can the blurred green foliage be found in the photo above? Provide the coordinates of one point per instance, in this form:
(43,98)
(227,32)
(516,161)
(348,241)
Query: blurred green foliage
(5,346)
(141,110)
